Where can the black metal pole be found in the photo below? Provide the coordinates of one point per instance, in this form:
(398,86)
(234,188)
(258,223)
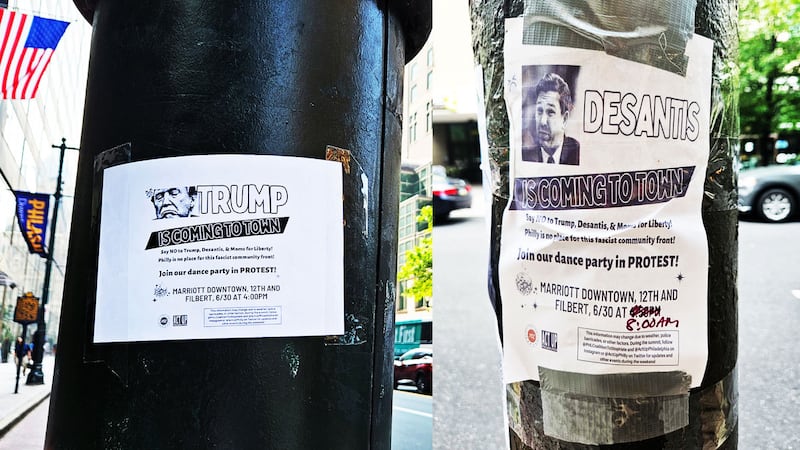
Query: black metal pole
(36,375)
(280,77)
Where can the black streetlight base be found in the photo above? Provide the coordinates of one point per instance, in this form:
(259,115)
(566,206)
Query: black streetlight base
(36,375)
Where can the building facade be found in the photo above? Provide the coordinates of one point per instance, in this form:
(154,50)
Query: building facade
(455,106)
(413,320)
(28,162)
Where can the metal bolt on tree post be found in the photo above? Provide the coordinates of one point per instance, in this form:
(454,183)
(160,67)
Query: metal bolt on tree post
(601,398)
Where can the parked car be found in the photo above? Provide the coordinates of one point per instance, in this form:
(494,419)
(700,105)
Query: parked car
(415,367)
(771,193)
(449,194)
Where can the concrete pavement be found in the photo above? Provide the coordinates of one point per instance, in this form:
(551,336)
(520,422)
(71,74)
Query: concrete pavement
(14,407)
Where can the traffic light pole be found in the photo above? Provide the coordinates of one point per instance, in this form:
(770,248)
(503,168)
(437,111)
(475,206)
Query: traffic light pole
(712,416)
(36,375)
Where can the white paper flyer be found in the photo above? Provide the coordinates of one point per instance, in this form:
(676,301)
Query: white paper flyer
(604,260)
(220,246)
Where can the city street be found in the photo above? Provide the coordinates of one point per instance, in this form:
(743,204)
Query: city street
(769,315)
(411,420)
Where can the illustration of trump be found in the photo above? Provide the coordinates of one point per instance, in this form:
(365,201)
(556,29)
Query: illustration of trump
(545,110)
(173,201)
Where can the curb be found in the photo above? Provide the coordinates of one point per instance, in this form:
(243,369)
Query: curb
(11,419)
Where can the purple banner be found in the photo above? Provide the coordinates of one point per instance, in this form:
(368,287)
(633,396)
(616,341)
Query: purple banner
(32,216)
(601,190)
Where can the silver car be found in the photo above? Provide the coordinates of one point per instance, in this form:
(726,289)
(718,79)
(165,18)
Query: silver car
(771,193)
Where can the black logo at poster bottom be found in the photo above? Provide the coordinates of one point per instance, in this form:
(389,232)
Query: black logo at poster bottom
(550,340)
(163,321)
(180,320)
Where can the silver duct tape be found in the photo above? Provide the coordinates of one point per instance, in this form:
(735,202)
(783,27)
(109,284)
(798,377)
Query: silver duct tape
(599,421)
(622,385)
(638,30)
(613,408)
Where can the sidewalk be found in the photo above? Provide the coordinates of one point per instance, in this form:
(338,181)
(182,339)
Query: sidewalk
(14,407)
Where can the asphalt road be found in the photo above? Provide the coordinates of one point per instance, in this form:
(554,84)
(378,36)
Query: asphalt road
(467,378)
(769,315)
(411,420)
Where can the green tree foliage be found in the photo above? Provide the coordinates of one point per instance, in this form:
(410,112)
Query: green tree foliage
(419,261)
(769,55)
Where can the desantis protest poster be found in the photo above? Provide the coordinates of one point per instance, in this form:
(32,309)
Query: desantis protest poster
(604,260)
(220,246)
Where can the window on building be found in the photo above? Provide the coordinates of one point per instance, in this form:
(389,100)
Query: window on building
(429,81)
(412,128)
(426,336)
(412,94)
(409,183)
(462,148)
(29,169)
(428,114)
(406,224)
(412,72)
(424,182)
(430,57)
(401,299)
(13,134)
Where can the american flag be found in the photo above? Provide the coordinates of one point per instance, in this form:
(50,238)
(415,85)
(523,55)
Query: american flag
(28,43)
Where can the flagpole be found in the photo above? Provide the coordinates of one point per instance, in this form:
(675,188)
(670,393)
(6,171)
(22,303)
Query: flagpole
(36,375)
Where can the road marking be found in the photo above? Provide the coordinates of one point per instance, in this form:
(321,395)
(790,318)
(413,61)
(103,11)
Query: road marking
(414,411)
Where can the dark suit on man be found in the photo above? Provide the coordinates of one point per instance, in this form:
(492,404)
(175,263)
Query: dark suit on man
(570,152)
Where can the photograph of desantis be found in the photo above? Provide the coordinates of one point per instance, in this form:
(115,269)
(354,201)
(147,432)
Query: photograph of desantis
(173,201)
(547,101)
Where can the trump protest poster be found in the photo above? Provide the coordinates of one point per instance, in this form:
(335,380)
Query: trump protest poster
(604,261)
(220,246)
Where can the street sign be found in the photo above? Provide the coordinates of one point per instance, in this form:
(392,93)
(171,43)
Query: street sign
(27,309)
